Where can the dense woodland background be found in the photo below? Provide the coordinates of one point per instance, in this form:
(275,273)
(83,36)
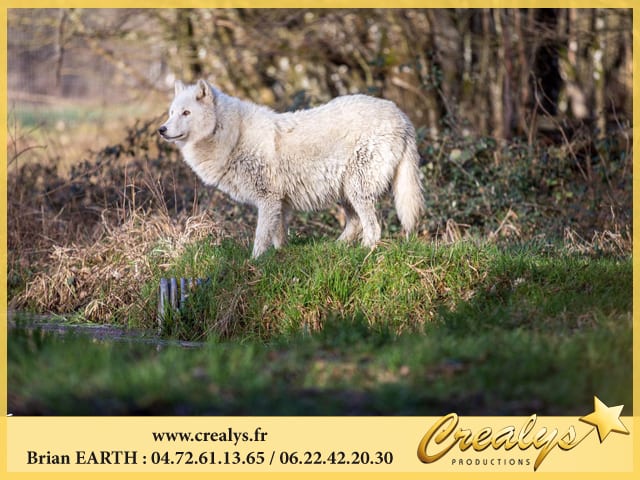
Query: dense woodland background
(523,115)
(503,73)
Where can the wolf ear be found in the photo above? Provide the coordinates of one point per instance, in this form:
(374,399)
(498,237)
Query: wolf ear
(178,87)
(204,92)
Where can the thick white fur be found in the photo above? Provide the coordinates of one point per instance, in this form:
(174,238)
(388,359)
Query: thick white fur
(349,151)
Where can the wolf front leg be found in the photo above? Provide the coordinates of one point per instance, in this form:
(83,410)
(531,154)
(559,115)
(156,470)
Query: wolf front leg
(270,229)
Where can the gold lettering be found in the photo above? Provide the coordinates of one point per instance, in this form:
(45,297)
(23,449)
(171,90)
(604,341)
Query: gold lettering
(505,437)
(482,439)
(447,423)
(545,444)
(442,435)
(566,442)
(524,431)
(463,437)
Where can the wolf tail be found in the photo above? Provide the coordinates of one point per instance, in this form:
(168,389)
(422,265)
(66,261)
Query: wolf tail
(407,189)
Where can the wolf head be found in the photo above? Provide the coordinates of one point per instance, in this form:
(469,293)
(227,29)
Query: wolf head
(192,115)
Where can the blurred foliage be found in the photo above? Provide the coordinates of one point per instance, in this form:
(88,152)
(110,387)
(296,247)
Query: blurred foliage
(487,71)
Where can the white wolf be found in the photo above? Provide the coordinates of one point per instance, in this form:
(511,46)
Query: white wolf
(349,151)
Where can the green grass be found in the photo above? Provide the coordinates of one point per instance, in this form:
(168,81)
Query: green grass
(320,328)
(403,286)
(49,117)
(71,114)
(283,293)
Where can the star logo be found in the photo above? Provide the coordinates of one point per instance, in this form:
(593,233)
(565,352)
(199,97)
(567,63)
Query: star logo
(605,419)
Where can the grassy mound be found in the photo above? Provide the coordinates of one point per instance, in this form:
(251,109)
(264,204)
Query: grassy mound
(400,286)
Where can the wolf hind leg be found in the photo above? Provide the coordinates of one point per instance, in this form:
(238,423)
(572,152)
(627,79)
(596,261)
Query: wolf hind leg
(366,210)
(280,234)
(361,189)
(352,227)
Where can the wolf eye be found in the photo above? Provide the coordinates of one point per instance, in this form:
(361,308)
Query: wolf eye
(186,113)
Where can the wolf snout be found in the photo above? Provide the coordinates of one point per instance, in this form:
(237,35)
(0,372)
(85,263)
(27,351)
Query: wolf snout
(162,130)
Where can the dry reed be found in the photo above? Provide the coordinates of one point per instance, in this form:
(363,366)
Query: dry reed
(102,280)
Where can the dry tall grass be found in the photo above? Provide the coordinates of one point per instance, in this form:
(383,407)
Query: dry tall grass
(101,280)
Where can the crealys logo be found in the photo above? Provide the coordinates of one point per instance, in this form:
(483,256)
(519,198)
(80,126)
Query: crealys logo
(447,433)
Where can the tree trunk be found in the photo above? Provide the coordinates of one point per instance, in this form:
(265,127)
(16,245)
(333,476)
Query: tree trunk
(546,65)
(598,71)
(187,45)
(496,77)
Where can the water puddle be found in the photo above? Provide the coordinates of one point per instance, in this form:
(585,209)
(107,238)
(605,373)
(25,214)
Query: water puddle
(60,327)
